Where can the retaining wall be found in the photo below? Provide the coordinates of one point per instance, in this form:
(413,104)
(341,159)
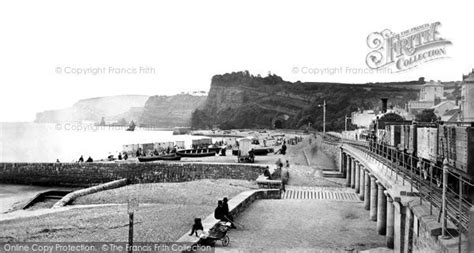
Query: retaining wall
(90,174)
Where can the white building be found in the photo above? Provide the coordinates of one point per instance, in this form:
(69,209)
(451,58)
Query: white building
(363,119)
(432,91)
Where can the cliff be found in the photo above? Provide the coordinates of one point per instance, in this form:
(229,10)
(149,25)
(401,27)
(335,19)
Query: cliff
(112,108)
(170,111)
(241,100)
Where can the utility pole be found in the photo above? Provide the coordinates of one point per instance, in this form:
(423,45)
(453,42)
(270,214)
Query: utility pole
(324,116)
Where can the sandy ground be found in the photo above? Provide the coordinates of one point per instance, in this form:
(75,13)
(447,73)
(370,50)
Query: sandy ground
(305,224)
(166,212)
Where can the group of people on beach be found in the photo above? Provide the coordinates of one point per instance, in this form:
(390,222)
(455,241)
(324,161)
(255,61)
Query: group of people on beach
(110,157)
(81,159)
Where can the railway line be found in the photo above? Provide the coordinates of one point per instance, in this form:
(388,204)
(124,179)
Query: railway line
(427,185)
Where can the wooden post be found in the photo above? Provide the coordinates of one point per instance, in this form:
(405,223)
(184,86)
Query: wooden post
(130,232)
(132,207)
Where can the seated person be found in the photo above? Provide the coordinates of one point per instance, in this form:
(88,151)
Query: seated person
(219,211)
(267,173)
(227,216)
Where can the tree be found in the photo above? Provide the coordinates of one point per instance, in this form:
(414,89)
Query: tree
(427,115)
(102,122)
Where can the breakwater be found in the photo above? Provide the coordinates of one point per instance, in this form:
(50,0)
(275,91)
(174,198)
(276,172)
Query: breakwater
(90,174)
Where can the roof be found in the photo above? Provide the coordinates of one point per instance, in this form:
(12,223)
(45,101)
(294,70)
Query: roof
(452,112)
(443,103)
(469,77)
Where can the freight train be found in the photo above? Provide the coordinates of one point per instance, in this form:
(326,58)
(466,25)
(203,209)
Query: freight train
(428,145)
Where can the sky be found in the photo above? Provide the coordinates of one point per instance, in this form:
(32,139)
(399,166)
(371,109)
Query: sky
(53,53)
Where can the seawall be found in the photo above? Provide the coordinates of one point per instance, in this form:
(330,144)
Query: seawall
(90,174)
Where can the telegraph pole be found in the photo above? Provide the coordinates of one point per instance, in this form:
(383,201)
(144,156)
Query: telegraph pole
(324,116)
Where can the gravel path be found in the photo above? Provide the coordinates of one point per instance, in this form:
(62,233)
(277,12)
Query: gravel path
(302,174)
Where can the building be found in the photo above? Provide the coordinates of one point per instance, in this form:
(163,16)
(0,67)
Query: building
(415,107)
(432,91)
(363,119)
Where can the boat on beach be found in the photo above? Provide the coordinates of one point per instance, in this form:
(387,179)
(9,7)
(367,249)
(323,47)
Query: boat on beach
(200,152)
(256,151)
(170,157)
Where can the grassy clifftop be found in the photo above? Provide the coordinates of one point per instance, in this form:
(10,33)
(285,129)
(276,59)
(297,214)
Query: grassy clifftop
(241,100)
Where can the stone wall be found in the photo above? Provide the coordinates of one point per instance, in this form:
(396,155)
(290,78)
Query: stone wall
(89,174)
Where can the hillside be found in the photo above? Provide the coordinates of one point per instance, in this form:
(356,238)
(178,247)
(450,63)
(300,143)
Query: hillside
(93,109)
(170,111)
(241,100)
(154,111)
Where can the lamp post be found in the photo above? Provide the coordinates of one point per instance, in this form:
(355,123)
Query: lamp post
(324,115)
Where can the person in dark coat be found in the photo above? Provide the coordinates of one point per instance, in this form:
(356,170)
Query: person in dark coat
(219,211)
(267,173)
(81,159)
(283,149)
(89,160)
(227,215)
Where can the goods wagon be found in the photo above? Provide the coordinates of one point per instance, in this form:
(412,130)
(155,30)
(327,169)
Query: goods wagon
(427,143)
(456,145)
(405,131)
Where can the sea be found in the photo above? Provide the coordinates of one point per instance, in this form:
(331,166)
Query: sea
(46,142)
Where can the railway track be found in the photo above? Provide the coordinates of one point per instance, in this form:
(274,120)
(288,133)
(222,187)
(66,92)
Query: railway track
(428,190)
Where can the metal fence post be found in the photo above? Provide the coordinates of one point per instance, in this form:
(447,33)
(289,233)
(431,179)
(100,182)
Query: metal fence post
(421,180)
(445,183)
(429,189)
(460,212)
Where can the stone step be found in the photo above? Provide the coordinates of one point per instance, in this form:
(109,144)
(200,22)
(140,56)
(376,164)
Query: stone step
(333,174)
(320,195)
